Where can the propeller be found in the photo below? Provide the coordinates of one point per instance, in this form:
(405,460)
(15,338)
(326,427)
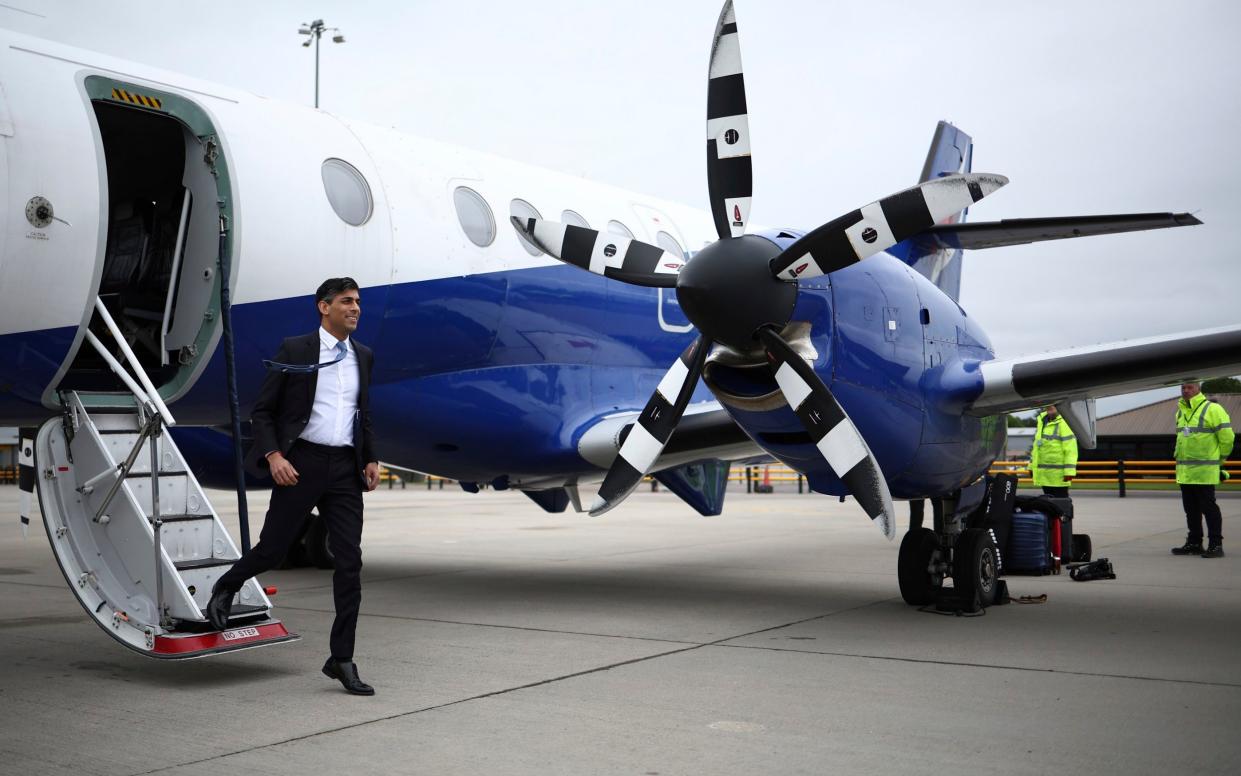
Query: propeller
(648,436)
(740,291)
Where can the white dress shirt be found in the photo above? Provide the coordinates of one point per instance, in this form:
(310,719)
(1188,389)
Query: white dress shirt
(336,395)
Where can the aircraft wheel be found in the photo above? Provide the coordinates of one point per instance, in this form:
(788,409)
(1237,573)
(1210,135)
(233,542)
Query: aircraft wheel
(918,584)
(976,568)
(318,550)
(1081,548)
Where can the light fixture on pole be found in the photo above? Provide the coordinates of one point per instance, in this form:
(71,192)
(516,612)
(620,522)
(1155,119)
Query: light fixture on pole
(315,31)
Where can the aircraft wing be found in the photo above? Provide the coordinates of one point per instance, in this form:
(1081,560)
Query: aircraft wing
(1106,370)
(1019,231)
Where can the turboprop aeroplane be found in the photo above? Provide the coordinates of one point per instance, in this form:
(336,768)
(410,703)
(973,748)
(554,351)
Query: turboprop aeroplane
(161,235)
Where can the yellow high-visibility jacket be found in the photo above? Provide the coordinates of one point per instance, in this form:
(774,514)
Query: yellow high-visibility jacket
(1204,438)
(1054,454)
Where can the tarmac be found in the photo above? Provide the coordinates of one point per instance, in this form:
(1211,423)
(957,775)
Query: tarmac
(652,642)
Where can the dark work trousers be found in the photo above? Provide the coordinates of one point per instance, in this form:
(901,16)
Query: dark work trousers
(1056,492)
(1199,501)
(328,478)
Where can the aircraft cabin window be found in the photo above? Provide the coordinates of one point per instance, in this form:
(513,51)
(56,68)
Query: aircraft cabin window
(573,219)
(616,227)
(522,209)
(475,216)
(669,244)
(347,191)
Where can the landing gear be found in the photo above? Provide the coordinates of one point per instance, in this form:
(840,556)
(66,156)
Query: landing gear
(968,556)
(975,567)
(917,568)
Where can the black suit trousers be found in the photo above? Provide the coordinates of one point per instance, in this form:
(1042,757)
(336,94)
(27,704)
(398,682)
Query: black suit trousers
(327,478)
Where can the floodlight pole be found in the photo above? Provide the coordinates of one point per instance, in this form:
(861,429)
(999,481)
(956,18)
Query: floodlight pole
(316,29)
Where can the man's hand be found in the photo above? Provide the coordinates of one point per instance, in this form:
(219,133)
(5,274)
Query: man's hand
(1069,477)
(281,470)
(372,475)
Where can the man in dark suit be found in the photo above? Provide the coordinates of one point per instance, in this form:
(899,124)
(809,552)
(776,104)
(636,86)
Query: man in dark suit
(312,432)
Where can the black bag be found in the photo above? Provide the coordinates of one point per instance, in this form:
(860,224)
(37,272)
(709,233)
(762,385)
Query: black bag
(996,512)
(1098,569)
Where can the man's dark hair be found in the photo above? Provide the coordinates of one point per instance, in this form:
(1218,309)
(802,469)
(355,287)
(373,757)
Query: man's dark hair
(329,288)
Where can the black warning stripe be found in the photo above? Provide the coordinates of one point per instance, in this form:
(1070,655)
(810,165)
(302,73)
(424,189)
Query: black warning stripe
(863,483)
(578,245)
(133,98)
(726,96)
(907,213)
(730,178)
(641,258)
(828,245)
(620,480)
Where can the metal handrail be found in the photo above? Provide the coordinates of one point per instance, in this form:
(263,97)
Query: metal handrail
(150,391)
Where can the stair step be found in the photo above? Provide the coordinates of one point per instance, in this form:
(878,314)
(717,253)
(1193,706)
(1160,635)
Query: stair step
(237,613)
(133,474)
(203,563)
(181,518)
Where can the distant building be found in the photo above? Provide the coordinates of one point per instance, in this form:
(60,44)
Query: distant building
(1148,433)
(1020,440)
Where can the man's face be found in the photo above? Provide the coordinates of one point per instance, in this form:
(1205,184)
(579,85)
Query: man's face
(1051,410)
(1189,390)
(340,316)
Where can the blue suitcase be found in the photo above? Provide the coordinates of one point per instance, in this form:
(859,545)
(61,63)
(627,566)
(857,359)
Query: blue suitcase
(1027,544)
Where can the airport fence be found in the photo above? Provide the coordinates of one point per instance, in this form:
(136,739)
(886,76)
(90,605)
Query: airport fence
(763,478)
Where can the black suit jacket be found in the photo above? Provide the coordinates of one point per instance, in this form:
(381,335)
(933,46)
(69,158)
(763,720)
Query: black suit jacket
(283,407)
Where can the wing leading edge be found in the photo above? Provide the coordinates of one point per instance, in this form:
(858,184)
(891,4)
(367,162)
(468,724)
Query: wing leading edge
(1106,370)
(1020,231)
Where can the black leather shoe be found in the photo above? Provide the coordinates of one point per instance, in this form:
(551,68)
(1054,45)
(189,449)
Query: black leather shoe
(346,672)
(1214,550)
(1190,547)
(219,607)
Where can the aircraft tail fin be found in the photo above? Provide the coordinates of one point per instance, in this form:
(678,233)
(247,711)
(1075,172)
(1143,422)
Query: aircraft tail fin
(950,153)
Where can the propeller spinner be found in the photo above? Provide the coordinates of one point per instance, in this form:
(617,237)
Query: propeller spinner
(740,290)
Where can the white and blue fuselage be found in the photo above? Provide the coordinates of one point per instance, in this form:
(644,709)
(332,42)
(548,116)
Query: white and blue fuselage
(491,363)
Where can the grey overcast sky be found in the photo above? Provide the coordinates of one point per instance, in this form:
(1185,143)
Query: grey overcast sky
(1088,107)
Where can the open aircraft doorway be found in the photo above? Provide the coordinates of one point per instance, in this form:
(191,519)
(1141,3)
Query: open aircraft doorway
(168,202)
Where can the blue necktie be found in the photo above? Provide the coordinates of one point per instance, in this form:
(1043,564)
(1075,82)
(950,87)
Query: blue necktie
(305,369)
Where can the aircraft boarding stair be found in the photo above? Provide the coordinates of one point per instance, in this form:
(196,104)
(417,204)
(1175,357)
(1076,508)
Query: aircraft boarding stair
(132,530)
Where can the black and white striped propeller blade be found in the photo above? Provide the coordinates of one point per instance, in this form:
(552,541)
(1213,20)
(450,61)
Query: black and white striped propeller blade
(730,180)
(831,430)
(880,225)
(603,253)
(650,433)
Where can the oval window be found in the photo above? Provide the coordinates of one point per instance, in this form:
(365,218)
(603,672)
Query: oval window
(616,227)
(573,219)
(347,191)
(521,209)
(670,244)
(475,216)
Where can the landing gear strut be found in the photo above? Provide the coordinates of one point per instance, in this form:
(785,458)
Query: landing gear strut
(968,556)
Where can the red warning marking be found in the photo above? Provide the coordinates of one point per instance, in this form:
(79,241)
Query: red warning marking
(736,212)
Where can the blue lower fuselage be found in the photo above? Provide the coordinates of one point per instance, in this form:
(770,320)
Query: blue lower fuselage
(493,375)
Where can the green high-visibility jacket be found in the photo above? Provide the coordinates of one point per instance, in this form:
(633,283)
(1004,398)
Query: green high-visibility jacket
(1204,439)
(1054,454)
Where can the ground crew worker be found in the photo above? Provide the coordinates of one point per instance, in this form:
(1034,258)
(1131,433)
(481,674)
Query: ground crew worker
(1204,439)
(1053,458)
